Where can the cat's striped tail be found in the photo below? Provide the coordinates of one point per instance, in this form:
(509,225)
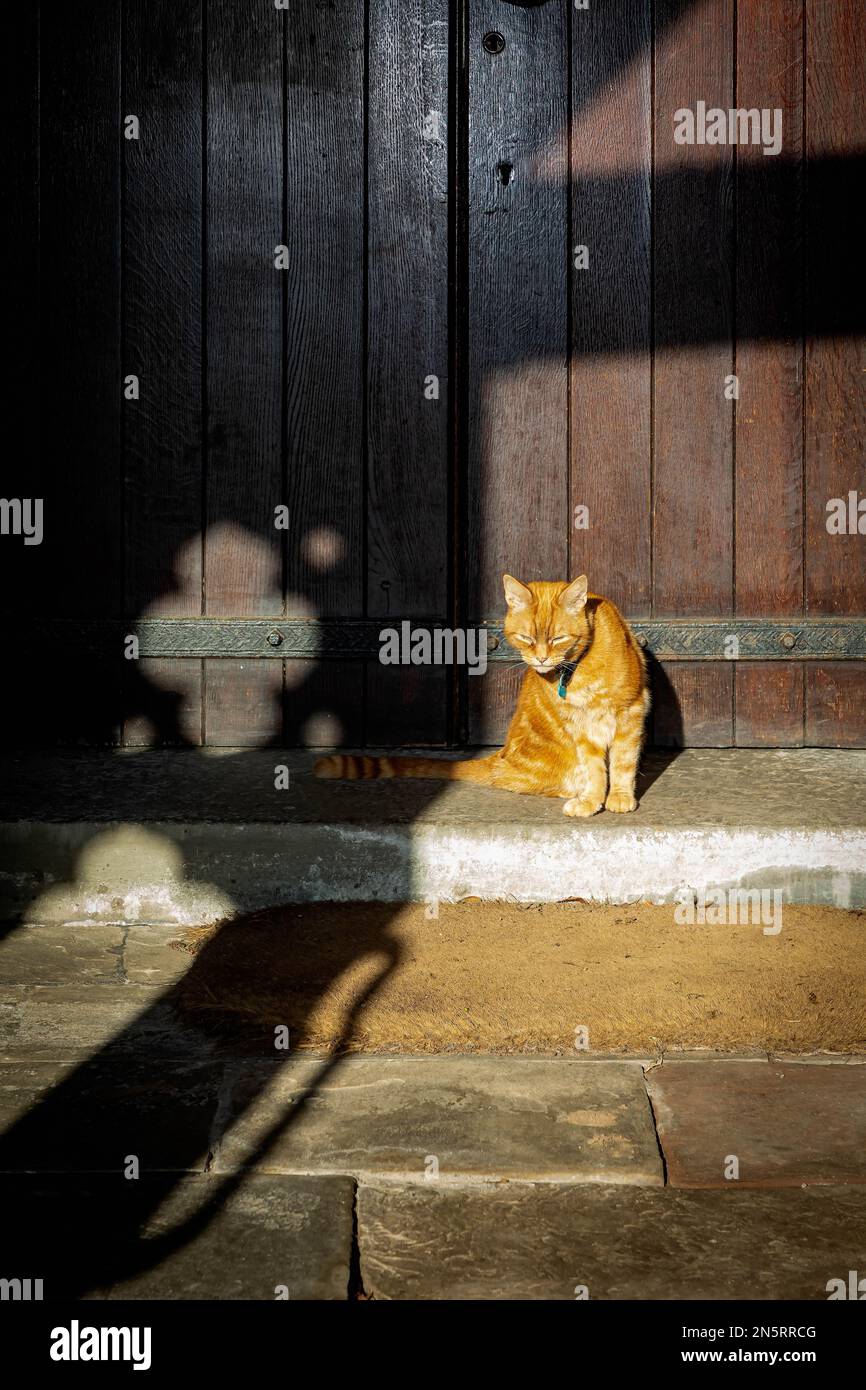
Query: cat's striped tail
(350,766)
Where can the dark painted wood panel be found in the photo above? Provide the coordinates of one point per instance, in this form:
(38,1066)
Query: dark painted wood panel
(243,565)
(407,704)
(610,160)
(243,703)
(25,570)
(768,479)
(836,704)
(769,418)
(492,699)
(835,400)
(324,704)
(769,704)
(244,553)
(693,321)
(80,313)
(518,253)
(162,331)
(163,702)
(518,302)
(835,440)
(692,704)
(325,157)
(408,502)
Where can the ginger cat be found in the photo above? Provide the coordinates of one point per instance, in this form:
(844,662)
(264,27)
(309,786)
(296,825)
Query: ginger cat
(580,713)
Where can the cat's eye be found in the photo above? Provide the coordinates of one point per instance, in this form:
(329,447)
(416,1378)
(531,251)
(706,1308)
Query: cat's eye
(521,637)
(558,641)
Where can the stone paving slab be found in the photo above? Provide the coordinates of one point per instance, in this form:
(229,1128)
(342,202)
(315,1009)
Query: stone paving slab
(34,954)
(470,1119)
(522,1241)
(193,1238)
(785,1124)
(92,1115)
(48,1020)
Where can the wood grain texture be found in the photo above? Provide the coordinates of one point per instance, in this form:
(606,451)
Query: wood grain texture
(835,441)
(162,332)
(407,705)
(769,704)
(693,322)
(324,704)
(835,405)
(517,502)
(325,77)
(768,477)
(162,700)
(836,705)
(492,700)
(80,287)
(80,314)
(244,553)
(692,704)
(243,703)
(518,304)
(25,570)
(408,521)
(243,564)
(407,501)
(610,377)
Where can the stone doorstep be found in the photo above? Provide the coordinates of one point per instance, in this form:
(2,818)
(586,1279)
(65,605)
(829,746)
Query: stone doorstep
(188,837)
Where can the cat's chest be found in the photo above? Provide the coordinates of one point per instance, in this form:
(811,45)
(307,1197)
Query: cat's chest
(588,713)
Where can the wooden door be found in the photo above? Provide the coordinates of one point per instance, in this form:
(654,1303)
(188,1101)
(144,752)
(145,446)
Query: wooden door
(373,300)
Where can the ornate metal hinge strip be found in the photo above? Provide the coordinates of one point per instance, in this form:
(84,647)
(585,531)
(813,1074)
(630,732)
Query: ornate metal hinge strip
(671,639)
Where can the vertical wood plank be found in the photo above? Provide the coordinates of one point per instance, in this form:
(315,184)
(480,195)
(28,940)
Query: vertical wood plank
(693,260)
(407,502)
(610,447)
(408,523)
(163,700)
(23,578)
(835,401)
(769,704)
(244,309)
(245,293)
(325,345)
(835,440)
(492,698)
(836,704)
(517,487)
(162,340)
(243,702)
(692,704)
(769,320)
(324,704)
(518,309)
(325,75)
(80,297)
(693,331)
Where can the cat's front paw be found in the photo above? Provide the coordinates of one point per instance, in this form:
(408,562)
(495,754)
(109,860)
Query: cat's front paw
(578,806)
(620,802)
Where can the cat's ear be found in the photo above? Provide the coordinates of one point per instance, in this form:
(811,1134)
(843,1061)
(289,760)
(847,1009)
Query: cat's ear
(516,594)
(573,599)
